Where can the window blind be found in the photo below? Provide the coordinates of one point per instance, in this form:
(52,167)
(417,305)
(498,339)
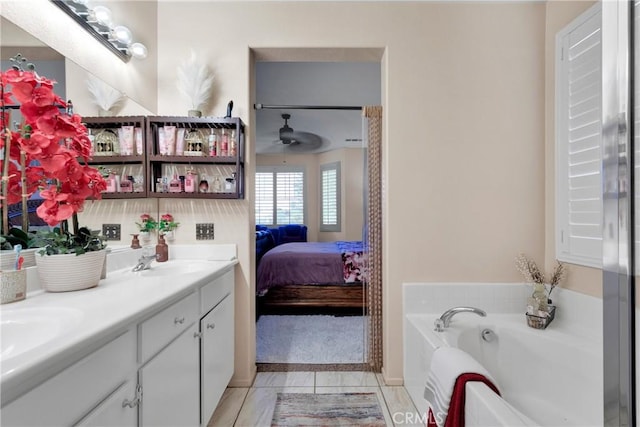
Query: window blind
(579,141)
(280,196)
(330,197)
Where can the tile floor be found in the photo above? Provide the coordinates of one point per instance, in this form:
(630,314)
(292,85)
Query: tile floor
(253,407)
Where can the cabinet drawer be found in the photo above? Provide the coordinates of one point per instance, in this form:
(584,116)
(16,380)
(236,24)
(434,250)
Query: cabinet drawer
(215,291)
(71,394)
(159,330)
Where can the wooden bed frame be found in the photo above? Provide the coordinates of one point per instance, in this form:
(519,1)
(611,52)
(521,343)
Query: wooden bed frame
(314,298)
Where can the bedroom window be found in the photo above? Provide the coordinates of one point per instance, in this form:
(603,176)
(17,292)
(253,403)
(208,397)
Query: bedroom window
(330,197)
(280,195)
(579,141)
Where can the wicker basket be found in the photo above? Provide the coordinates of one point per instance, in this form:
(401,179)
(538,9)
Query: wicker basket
(540,322)
(13,285)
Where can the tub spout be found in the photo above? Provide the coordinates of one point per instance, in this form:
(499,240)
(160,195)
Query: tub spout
(445,319)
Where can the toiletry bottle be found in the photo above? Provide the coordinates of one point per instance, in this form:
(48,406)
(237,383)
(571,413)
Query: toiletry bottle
(217,185)
(135,243)
(117,180)
(182,179)
(190,182)
(204,185)
(213,143)
(111,183)
(126,185)
(174,185)
(162,250)
(223,149)
(233,144)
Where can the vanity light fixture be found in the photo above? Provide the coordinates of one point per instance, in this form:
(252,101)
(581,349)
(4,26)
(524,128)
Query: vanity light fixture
(98,21)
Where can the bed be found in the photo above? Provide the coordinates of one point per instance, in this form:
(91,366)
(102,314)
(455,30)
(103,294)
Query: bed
(312,275)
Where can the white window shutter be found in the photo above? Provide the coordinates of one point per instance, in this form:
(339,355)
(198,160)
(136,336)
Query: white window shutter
(280,195)
(330,196)
(579,141)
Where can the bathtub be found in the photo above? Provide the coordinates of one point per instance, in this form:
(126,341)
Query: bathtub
(546,377)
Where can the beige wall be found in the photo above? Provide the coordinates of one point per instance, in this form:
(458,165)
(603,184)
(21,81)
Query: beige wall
(352,162)
(463,91)
(464,135)
(558,15)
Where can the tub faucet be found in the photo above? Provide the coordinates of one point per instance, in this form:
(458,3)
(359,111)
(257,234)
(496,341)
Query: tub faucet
(445,319)
(144,263)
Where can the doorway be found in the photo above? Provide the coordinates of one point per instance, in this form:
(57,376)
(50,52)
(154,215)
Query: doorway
(322,149)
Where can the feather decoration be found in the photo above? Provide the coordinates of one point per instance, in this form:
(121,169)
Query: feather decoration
(195,81)
(104,96)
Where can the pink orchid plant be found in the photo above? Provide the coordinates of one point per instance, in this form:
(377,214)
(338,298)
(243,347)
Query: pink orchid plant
(48,152)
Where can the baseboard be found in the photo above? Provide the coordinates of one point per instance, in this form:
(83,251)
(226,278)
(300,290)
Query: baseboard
(244,382)
(390,381)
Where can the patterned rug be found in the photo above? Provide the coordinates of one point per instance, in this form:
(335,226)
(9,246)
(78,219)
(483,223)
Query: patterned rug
(337,409)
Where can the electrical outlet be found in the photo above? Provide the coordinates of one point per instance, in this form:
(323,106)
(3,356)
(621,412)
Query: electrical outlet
(111,231)
(204,231)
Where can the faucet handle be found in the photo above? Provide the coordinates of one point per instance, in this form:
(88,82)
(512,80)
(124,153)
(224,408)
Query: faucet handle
(439,325)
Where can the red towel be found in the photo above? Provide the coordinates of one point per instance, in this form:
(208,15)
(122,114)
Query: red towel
(455,415)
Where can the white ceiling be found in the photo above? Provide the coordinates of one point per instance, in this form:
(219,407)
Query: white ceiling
(314,84)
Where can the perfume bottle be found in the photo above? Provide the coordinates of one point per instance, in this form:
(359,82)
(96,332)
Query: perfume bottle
(111,183)
(203,187)
(126,185)
(217,185)
(233,144)
(174,185)
(190,182)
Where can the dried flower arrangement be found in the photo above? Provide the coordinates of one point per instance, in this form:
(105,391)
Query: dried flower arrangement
(532,273)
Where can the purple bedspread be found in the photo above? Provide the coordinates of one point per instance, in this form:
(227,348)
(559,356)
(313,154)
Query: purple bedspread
(308,263)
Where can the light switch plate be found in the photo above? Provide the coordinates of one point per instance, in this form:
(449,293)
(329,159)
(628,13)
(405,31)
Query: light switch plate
(204,231)
(111,231)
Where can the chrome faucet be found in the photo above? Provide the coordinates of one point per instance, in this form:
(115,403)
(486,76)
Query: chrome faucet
(445,319)
(144,263)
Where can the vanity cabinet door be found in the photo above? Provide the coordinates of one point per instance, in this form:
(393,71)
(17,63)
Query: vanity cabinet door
(170,384)
(113,411)
(217,353)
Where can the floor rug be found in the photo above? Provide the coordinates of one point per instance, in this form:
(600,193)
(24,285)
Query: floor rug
(310,339)
(335,409)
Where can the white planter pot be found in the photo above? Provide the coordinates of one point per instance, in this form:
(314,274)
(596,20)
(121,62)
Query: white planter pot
(8,258)
(61,273)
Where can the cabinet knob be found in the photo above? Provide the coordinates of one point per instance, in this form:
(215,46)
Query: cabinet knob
(178,320)
(211,325)
(197,334)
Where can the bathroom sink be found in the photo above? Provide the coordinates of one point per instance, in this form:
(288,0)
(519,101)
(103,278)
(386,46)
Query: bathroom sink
(23,329)
(176,268)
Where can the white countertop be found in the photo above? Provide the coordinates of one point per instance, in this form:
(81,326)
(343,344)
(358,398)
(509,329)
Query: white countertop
(99,314)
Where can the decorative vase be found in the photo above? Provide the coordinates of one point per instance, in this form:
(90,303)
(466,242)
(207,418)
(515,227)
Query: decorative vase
(8,258)
(169,235)
(70,272)
(145,237)
(540,297)
(194,113)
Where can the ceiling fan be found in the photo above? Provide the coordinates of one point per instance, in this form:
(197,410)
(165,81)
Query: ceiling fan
(297,140)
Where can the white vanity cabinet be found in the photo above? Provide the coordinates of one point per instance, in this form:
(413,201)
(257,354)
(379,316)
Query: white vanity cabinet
(217,343)
(74,393)
(167,367)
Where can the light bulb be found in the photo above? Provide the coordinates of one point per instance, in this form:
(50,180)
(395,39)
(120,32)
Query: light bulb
(103,15)
(81,2)
(138,50)
(122,34)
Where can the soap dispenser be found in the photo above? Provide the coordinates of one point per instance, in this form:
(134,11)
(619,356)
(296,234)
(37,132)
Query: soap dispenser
(162,250)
